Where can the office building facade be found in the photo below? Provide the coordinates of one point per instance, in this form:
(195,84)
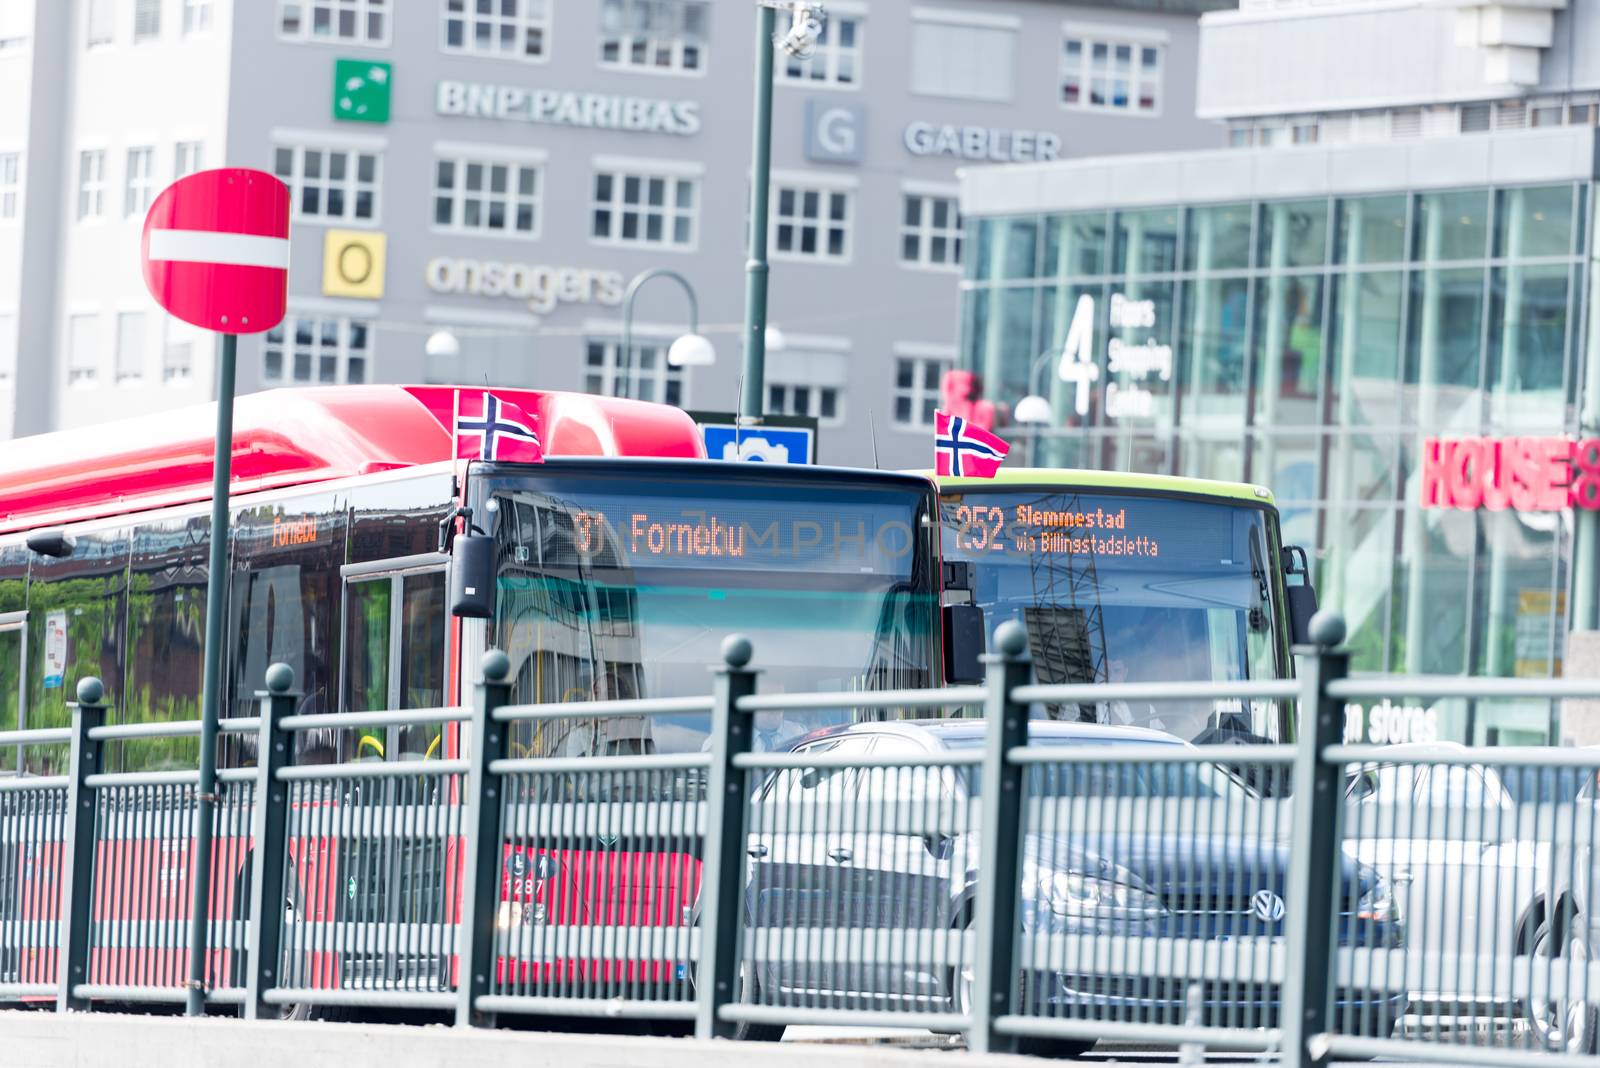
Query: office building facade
(502,172)
(1369,268)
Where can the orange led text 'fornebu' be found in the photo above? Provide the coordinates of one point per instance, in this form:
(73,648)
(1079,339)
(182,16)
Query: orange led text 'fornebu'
(293,531)
(686,539)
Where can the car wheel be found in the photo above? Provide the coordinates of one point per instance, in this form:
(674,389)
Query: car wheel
(1061,1049)
(749,994)
(302,1011)
(1566,1025)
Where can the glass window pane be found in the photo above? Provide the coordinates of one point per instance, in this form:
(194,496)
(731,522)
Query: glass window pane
(1534,222)
(366,642)
(1294,234)
(1217,373)
(1443,346)
(1452,226)
(1527,346)
(1075,244)
(1365,348)
(1007,248)
(1289,348)
(1372,230)
(1146,241)
(1218,238)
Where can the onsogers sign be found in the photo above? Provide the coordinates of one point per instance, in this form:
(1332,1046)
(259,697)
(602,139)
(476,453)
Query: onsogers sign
(1527,474)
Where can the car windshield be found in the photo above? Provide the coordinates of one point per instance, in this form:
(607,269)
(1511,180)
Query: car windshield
(1109,778)
(1126,588)
(624,585)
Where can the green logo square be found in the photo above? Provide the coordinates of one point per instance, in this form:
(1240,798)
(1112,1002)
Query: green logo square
(361,90)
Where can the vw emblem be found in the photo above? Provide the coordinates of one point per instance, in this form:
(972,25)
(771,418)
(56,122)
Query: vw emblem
(1266,906)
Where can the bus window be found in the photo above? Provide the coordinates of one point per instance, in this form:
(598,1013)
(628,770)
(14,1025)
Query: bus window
(166,639)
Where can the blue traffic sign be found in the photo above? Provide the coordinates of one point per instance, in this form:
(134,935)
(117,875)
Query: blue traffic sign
(761,444)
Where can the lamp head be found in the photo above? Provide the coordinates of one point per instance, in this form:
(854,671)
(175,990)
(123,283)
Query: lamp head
(1033,410)
(776,342)
(442,343)
(692,350)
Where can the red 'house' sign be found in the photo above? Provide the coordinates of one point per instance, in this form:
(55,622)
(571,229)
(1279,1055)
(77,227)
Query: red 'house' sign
(1524,474)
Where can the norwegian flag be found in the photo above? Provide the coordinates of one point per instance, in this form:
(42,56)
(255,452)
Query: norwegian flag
(488,428)
(961,449)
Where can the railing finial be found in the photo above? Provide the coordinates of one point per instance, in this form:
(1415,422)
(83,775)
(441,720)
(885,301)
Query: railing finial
(1327,629)
(90,690)
(496,666)
(1011,639)
(737,652)
(280,678)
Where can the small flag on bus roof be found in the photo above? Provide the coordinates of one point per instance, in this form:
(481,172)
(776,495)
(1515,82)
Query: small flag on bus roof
(964,450)
(488,428)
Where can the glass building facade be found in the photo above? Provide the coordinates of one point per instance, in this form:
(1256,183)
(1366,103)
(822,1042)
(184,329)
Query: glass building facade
(1311,346)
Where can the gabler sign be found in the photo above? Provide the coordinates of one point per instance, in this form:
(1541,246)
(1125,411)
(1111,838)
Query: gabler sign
(1544,474)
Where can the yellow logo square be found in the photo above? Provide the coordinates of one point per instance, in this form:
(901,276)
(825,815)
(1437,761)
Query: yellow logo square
(352,263)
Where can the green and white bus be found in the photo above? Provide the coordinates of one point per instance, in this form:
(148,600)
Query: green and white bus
(1134,578)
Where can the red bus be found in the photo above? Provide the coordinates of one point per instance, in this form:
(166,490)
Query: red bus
(619,565)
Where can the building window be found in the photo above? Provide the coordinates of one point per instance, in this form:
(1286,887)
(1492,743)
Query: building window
(660,35)
(963,59)
(837,59)
(330,183)
(100,26)
(1475,118)
(82,358)
(91,184)
(10,186)
(146,20)
(820,402)
(177,357)
(811,223)
(350,21)
(8,349)
(1110,75)
(324,350)
(487,195)
(513,29)
(648,376)
(930,231)
(657,210)
(130,347)
(187,158)
(141,182)
(916,388)
(196,16)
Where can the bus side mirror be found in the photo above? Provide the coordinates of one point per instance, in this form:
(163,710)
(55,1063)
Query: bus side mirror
(963,643)
(472,576)
(1302,595)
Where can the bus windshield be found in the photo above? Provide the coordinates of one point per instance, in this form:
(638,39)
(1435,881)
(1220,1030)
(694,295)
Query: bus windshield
(625,585)
(1129,588)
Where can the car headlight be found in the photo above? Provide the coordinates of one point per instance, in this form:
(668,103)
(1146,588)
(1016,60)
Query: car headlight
(1075,894)
(1378,902)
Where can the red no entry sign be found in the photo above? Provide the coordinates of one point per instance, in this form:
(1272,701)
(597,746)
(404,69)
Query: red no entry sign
(216,250)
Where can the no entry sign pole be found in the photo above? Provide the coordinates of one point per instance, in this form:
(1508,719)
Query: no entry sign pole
(216,254)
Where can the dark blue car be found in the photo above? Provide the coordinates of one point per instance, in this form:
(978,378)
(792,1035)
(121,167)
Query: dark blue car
(861,880)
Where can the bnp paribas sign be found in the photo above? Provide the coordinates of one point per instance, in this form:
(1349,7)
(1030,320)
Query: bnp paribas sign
(561,107)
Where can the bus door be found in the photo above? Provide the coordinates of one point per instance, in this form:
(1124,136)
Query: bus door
(394,654)
(391,886)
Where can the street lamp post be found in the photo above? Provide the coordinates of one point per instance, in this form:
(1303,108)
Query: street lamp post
(798,41)
(690,349)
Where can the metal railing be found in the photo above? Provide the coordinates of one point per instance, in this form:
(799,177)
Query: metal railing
(1030,884)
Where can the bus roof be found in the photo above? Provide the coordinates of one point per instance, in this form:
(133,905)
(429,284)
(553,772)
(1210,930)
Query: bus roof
(1068,477)
(286,437)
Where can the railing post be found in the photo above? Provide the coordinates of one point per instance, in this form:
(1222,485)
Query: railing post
(270,831)
(483,856)
(995,957)
(1315,853)
(76,909)
(727,838)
